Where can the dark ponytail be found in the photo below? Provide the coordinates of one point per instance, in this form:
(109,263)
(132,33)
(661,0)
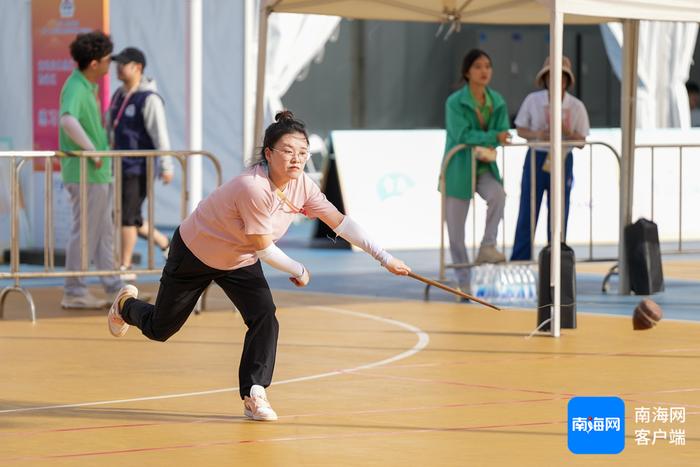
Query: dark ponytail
(285,124)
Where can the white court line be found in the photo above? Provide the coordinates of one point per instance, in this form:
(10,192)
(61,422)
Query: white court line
(423,340)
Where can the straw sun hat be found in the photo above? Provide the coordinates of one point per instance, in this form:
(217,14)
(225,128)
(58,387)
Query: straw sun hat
(565,68)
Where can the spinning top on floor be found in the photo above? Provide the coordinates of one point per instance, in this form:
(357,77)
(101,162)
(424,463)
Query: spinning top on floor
(646,315)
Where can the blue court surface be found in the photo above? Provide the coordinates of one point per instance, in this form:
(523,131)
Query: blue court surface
(341,271)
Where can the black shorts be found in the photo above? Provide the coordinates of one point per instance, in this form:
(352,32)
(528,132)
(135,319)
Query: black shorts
(133,195)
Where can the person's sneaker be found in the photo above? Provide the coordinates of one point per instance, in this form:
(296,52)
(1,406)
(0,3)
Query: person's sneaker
(126,275)
(256,407)
(83,302)
(489,254)
(116,324)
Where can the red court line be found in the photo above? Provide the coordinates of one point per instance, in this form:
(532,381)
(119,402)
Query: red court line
(458,383)
(100,427)
(505,388)
(504,359)
(293,416)
(414,409)
(282,439)
(659,403)
(326,436)
(662,391)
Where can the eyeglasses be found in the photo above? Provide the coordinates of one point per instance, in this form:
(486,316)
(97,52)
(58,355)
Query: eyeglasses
(288,154)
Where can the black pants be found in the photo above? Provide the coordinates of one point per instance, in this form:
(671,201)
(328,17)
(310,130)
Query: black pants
(184,279)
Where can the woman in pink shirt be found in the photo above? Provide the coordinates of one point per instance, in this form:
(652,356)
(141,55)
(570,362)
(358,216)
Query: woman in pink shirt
(223,240)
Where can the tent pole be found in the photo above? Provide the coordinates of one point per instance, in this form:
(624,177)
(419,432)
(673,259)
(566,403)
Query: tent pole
(357,85)
(260,80)
(556,32)
(628,122)
(249,79)
(194,103)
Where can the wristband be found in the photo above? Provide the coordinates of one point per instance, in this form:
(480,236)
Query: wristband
(276,258)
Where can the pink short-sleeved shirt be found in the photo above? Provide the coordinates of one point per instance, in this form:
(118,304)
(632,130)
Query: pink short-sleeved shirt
(247,205)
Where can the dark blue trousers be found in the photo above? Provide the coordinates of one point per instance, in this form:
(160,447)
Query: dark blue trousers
(522,250)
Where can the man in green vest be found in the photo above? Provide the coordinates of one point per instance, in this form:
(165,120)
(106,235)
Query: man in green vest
(81,129)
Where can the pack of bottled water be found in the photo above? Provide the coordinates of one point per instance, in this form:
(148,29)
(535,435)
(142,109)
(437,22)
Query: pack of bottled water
(505,283)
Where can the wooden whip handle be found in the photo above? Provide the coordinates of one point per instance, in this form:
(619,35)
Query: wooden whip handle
(451,290)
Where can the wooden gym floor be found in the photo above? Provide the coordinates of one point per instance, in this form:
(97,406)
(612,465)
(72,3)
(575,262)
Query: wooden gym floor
(358,381)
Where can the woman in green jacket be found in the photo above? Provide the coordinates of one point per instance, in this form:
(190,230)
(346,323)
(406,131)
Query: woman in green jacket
(477,116)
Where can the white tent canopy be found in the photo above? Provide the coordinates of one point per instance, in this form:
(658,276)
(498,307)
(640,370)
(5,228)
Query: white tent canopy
(552,12)
(495,11)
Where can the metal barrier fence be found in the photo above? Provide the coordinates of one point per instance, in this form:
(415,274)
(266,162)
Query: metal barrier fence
(18,160)
(680,148)
(448,157)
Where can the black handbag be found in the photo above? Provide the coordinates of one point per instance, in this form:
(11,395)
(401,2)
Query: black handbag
(644,257)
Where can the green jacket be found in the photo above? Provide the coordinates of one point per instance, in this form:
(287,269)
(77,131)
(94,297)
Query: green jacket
(462,126)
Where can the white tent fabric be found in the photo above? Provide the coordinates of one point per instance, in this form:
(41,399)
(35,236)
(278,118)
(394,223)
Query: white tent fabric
(293,42)
(448,11)
(665,55)
(658,10)
(496,11)
(16,113)
(15,72)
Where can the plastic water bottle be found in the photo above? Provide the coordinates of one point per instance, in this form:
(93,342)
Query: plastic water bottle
(479,287)
(522,284)
(515,284)
(531,283)
(489,279)
(497,281)
(518,284)
(476,281)
(510,283)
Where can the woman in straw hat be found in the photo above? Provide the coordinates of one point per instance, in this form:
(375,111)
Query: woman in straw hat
(477,116)
(532,123)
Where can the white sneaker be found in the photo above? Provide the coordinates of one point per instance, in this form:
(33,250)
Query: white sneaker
(116,324)
(489,254)
(83,302)
(256,407)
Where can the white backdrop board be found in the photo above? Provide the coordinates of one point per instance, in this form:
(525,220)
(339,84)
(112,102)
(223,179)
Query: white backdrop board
(389,180)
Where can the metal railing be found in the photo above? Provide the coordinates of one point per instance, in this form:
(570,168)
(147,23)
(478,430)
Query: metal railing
(530,145)
(18,160)
(680,147)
